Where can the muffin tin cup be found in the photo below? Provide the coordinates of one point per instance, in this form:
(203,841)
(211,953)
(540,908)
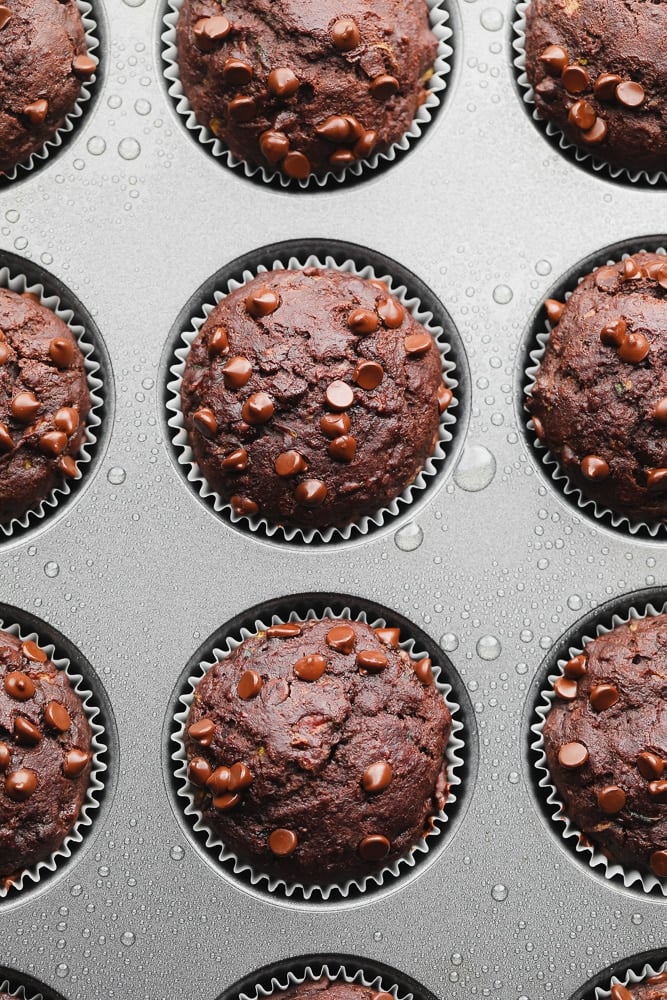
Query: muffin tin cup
(184,452)
(581,156)
(40,156)
(326,970)
(551,462)
(438,18)
(244,869)
(20,992)
(631,978)
(576,838)
(98,748)
(20,283)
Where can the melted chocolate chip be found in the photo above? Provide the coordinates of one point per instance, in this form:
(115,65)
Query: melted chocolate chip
(258,409)
(374,847)
(593,467)
(368,374)
(371,660)
(389,636)
(445,397)
(423,671)
(274,146)
(218,780)
(243,506)
(26,731)
(339,396)
(297,166)
(24,406)
(611,799)
(61,352)
(345,34)
(650,766)
(619,992)
(67,465)
(5,15)
(596,134)
(52,443)
(283,842)
(290,463)
(310,668)
(236,372)
(202,732)
(84,66)
(377,777)
(384,87)
(286,631)
(242,109)
(199,771)
(659,863)
(363,321)
(226,801)
(19,686)
(576,667)
(657,789)
(335,425)
(565,688)
(310,493)
(21,784)
(236,461)
(572,755)
(66,419)
(283,82)
(603,696)
(634,348)
(249,685)
(554,310)
(582,114)
(6,440)
(417,344)
(343,448)
(605,86)
(614,334)
(37,111)
(555,59)
(656,479)
(630,94)
(57,717)
(336,129)
(5,756)
(74,762)
(240,777)
(262,302)
(575,79)
(33,652)
(205,422)
(236,73)
(341,638)
(391,312)
(209,31)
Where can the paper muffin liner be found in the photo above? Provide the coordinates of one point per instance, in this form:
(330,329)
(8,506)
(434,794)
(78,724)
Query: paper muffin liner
(331,970)
(551,462)
(51,145)
(576,838)
(631,978)
(98,767)
(184,452)
(271,882)
(20,284)
(582,156)
(438,21)
(19,992)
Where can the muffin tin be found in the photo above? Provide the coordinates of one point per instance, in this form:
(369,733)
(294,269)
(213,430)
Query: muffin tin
(131,216)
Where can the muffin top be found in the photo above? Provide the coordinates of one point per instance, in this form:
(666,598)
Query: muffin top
(599,401)
(43,61)
(652,988)
(45,756)
(305,88)
(44,402)
(605,740)
(312,398)
(599,72)
(317,750)
(336,989)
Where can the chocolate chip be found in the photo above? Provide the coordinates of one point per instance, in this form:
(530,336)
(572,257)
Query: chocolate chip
(296,166)
(417,344)
(5,14)
(603,696)
(619,992)
(84,66)
(576,667)
(336,129)
(371,660)
(605,86)
(582,114)
(384,87)
(310,668)
(226,801)
(67,465)
(33,652)
(24,406)
(199,771)
(37,111)
(274,146)
(368,374)
(630,94)
(4,353)
(650,766)
(363,321)
(26,731)
(554,59)
(61,352)
(290,463)
(611,799)
(249,685)
(657,789)
(218,780)
(634,348)
(236,372)
(240,777)
(377,777)
(565,688)
(57,717)
(6,441)
(659,866)
(202,732)
(335,425)
(554,310)
(593,467)
(342,158)
(310,493)
(5,756)
(575,79)
(339,395)
(391,312)
(343,448)
(656,478)
(74,762)
(423,670)
(258,409)
(388,636)
(613,334)
(283,82)
(236,73)
(66,419)
(283,631)
(21,784)
(262,302)
(365,145)
(631,270)
(572,755)
(243,506)
(236,461)
(345,34)
(597,134)
(445,397)
(19,686)
(52,443)
(283,842)
(341,638)
(205,421)
(374,847)
(242,109)
(208,31)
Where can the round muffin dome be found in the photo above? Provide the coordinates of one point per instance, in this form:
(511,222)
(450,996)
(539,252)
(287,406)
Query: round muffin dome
(45,756)
(312,397)
(43,61)
(599,401)
(598,69)
(316,750)
(605,740)
(44,402)
(305,88)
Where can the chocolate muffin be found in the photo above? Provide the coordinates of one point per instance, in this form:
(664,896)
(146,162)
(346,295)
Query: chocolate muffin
(44,402)
(312,398)
(43,61)
(599,402)
(305,88)
(45,756)
(316,750)
(605,740)
(328,989)
(598,69)
(651,988)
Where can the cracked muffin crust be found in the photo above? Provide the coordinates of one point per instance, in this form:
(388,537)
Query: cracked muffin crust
(605,740)
(305,87)
(598,69)
(599,401)
(316,750)
(312,398)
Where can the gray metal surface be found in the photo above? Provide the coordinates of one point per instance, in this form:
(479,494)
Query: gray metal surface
(137,572)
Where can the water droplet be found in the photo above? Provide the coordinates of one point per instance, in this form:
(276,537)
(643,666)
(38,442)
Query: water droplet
(409,537)
(476,468)
(142,106)
(115,101)
(543,267)
(11,215)
(526,635)
(62,970)
(177,853)
(456,959)
(449,642)
(488,647)
(76,890)
(103,870)
(133,3)
(502,294)
(500,892)
(575,603)
(20,242)
(46,258)
(96,145)
(129,148)
(513,777)
(377,936)
(79,164)
(127,938)
(636,918)
(51,569)
(116,475)
(491,19)
(147,383)
(521,668)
